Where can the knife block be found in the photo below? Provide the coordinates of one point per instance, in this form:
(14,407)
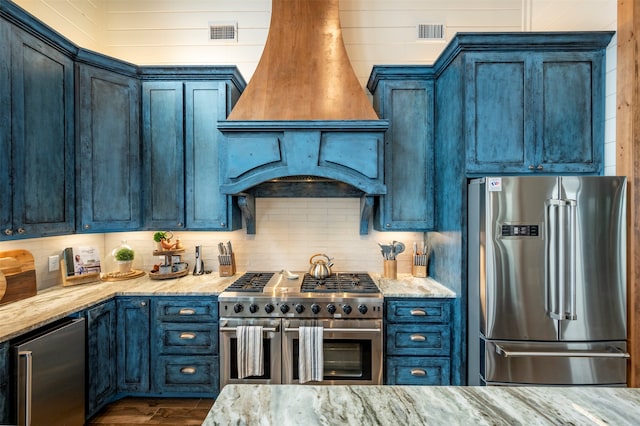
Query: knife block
(227,265)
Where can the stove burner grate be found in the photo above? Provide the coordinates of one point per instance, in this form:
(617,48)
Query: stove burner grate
(339,283)
(251,282)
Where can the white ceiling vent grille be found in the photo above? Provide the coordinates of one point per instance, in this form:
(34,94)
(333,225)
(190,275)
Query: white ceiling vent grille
(431,32)
(223,31)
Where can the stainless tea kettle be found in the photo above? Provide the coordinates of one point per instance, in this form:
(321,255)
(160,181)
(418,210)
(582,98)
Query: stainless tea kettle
(320,269)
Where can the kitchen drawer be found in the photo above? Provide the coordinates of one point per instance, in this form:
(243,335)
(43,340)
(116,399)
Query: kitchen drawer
(176,309)
(423,371)
(188,374)
(188,339)
(418,310)
(414,339)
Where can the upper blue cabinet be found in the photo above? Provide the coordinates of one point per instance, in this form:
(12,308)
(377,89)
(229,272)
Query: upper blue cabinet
(404,95)
(525,102)
(37,189)
(181,108)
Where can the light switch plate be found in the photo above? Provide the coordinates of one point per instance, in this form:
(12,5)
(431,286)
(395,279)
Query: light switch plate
(54,263)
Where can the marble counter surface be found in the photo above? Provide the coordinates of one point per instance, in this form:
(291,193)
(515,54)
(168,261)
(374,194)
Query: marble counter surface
(406,285)
(51,304)
(284,405)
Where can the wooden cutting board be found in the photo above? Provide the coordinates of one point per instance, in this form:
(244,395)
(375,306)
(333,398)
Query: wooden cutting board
(18,273)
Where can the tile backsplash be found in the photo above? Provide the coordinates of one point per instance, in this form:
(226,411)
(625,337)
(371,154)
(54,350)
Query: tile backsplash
(288,232)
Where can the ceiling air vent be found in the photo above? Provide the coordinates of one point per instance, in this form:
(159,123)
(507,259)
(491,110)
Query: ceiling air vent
(223,31)
(431,32)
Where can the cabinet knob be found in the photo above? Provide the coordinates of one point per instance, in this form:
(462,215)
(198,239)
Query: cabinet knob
(143,303)
(417,338)
(188,336)
(418,372)
(186,311)
(222,224)
(179,224)
(21,230)
(531,167)
(539,167)
(8,231)
(417,312)
(86,226)
(188,370)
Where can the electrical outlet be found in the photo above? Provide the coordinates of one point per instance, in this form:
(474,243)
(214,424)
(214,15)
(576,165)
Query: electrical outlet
(54,263)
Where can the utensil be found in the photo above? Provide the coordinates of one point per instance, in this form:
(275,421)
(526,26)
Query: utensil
(320,269)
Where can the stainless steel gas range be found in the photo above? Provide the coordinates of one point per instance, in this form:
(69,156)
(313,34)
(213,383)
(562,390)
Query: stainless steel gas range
(347,306)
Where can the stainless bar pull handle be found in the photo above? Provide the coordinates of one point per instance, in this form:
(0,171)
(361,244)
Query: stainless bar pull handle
(265,329)
(418,312)
(339,330)
(581,354)
(27,356)
(418,372)
(187,311)
(188,336)
(417,338)
(188,370)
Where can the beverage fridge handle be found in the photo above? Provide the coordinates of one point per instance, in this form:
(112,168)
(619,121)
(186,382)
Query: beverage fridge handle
(27,356)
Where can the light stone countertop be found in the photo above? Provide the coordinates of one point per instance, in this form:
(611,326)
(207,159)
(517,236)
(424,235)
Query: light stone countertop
(48,305)
(284,405)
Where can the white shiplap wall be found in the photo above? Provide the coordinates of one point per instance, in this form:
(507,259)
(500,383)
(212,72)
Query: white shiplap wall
(166,32)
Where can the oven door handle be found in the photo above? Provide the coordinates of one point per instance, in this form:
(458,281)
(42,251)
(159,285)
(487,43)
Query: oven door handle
(338,330)
(264,329)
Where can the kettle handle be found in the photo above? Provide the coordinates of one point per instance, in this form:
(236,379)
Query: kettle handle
(318,254)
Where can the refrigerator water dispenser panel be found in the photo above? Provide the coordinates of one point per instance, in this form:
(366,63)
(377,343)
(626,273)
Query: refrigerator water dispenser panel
(520,230)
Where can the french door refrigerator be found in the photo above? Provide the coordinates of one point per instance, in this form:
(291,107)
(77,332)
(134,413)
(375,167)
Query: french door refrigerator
(547,281)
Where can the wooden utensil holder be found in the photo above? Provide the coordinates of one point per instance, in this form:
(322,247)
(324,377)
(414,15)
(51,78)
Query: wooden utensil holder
(227,265)
(390,269)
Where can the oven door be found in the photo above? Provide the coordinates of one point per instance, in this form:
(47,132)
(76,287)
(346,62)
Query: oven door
(352,351)
(272,346)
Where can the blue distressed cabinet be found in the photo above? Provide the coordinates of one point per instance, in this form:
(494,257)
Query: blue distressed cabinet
(102,357)
(36,135)
(108,151)
(180,111)
(184,346)
(419,341)
(132,343)
(5,376)
(405,97)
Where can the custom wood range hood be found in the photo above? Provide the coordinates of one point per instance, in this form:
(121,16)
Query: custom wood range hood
(303,126)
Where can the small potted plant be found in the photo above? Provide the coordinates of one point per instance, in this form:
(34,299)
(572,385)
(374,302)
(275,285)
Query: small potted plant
(158,237)
(124,258)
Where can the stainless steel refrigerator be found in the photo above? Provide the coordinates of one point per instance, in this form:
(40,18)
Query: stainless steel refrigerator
(547,281)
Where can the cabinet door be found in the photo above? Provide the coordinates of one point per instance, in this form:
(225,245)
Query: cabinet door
(6,210)
(571,107)
(409,169)
(206,208)
(497,104)
(101,356)
(5,375)
(133,344)
(42,135)
(109,151)
(163,164)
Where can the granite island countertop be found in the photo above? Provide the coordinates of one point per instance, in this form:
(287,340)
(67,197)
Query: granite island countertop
(284,405)
(57,302)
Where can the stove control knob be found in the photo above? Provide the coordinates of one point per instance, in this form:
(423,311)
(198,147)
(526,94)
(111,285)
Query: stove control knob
(363,309)
(268,308)
(315,308)
(237,308)
(284,308)
(253,308)
(299,308)
(346,309)
(331,309)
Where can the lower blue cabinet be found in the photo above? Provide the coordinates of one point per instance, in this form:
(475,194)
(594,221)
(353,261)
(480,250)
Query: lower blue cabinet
(5,374)
(186,375)
(419,341)
(133,344)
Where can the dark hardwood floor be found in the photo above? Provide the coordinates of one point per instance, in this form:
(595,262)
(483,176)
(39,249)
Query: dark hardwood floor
(153,411)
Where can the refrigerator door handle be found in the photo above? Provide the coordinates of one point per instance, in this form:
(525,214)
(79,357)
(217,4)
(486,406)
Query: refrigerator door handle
(26,381)
(615,353)
(560,258)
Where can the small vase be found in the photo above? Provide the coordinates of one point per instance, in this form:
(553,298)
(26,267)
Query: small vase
(124,266)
